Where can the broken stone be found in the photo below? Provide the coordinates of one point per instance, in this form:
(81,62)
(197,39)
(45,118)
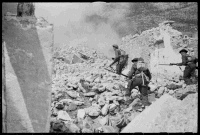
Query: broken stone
(92,111)
(85,130)
(116,102)
(66,101)
(54,112)
(109,129)
(101,101)
(81,114)
(97,80)
(153,87)
(89,79)
(134,93)
(161,91)
(72,94)
(81,88)
(105,109)
(72,85)
(119,98)
(58,126)
(103,120)
(72,106)
(94,88)
(182,93)
(171,92)
(78,103)
(72,127)
(90,94)
(128,109)
(59,106)
(63,115)
(116,87)
(91,84)
(136,103)
(173,86)
(102,88)
(112,107)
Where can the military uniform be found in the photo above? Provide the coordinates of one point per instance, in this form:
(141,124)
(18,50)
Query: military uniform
(20,9)
(190,63)
(140,81)
(119,59)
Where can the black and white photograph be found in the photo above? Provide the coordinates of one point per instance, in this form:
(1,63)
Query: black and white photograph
(99,67)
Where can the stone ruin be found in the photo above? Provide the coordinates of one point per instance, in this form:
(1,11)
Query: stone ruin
(160,45)
(86,98)
(69,91)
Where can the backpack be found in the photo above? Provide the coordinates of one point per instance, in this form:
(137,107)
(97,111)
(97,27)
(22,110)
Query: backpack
(123,53)
(123,58)
(141,65)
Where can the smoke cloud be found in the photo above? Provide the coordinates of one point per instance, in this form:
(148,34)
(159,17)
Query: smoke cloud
(98,24)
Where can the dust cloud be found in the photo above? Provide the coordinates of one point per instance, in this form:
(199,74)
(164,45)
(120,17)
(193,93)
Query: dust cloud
(99,24)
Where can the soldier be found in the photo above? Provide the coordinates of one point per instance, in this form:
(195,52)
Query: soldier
(32,9)
(133,68)
(120,57)
(190,63)
(141,78)
(20,9)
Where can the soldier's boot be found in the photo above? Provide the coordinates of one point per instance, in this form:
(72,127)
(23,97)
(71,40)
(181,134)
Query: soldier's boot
(128,89)
(145,101)
(188,81)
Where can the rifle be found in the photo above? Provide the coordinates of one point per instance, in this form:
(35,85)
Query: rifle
(113,71)
(170,64)
(84,56)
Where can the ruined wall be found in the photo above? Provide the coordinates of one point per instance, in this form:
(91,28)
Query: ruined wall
(159,45)
(28,51)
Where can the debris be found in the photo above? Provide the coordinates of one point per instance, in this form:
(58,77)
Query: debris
(81,114)
(63,115)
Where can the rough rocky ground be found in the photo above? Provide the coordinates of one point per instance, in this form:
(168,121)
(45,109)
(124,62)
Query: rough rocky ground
(87,98)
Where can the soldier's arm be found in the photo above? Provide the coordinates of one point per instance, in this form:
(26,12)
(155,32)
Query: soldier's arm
(149,74)
(131,72)
(184,61)
(116,59)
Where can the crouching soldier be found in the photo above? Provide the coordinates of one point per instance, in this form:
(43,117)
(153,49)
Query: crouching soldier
(190,63)
(121,58)
(141,78)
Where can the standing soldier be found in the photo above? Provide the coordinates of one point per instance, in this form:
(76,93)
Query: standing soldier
(20,9)
(141,78)
(190,63)
(121,58)
(32,9)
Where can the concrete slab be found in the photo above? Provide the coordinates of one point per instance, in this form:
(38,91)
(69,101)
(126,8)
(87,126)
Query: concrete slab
(28,74)
(144,121)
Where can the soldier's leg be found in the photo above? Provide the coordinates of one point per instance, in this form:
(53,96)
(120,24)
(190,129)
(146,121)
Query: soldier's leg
(118,69)
(135,82)
(144,95)
(187,75)
(129,87)
(192,74)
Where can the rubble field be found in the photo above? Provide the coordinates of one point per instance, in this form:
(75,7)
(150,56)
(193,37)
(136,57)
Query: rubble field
(86,98)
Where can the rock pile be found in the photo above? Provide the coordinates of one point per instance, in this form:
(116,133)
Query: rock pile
(87,98)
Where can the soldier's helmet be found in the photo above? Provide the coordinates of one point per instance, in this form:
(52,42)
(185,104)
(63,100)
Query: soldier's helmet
(115,46)
(134,60)
(183,50)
